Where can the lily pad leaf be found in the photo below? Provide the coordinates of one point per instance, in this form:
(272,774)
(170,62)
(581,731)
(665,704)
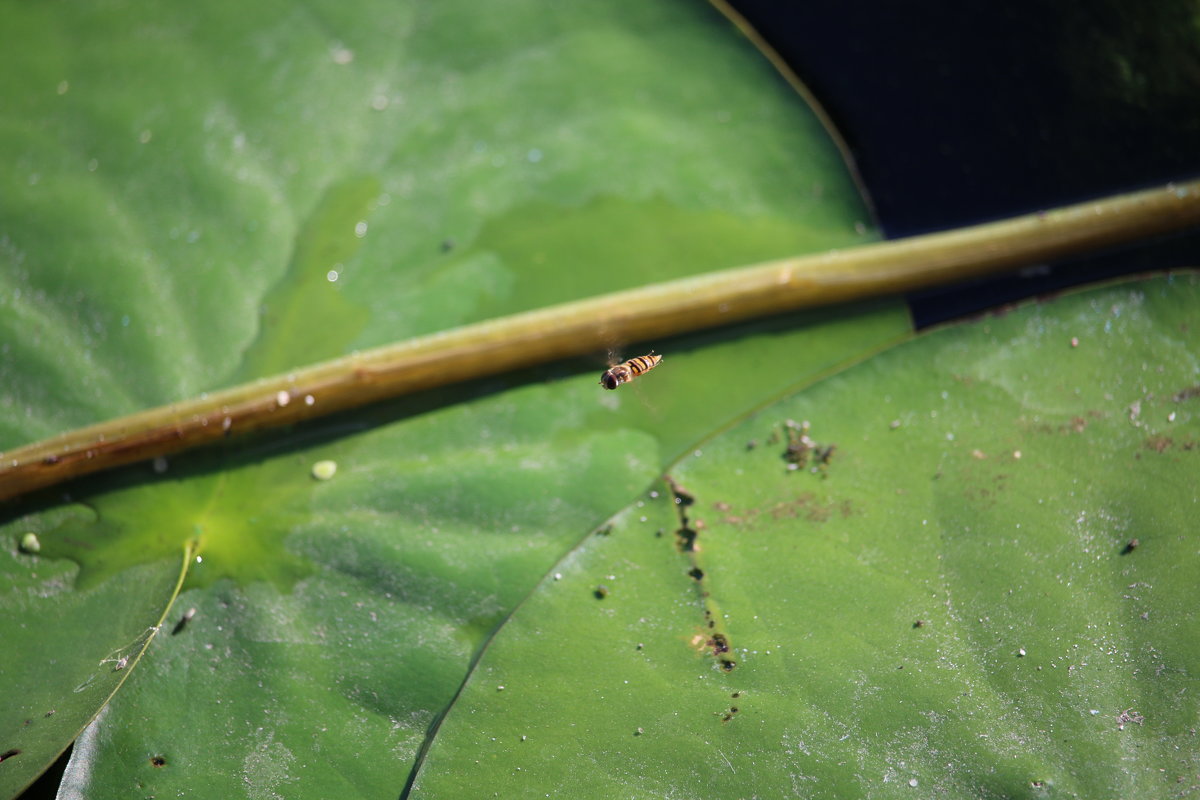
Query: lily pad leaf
(68,650)
(966,567)
(205,196)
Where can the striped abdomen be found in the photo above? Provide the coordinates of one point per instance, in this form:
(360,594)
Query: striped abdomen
(623,373)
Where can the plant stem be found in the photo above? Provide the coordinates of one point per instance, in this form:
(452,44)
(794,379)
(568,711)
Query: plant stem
(590,325)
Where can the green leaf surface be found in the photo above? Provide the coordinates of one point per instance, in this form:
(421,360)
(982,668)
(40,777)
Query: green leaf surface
(198,196)
(67,650)
(186,174)
(987,590)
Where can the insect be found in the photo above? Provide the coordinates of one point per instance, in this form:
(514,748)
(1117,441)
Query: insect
(617,374)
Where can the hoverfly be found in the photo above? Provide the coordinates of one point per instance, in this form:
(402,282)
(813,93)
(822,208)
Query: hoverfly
(617,374)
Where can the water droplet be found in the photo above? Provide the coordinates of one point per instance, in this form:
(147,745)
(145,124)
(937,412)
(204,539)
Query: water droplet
(534,155)
(360,228)
(93,165)
(331,276)
(63,87)
(309,400)
(282,398)
(341,55)
(145,136)
(379,102)
(324,470)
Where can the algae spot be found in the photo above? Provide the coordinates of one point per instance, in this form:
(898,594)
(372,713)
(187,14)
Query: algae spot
(306,317)
(610,243)
(237,522)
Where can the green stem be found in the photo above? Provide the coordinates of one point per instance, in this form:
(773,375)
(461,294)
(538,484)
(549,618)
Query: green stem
(586,326)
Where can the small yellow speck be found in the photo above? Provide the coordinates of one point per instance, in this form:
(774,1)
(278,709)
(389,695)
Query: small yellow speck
(324,470)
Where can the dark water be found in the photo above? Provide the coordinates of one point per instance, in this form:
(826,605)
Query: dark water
(967,111)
